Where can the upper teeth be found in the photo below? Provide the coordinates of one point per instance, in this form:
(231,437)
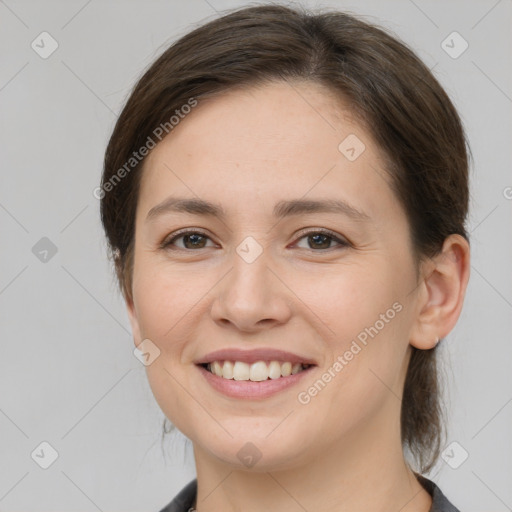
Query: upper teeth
(258,371)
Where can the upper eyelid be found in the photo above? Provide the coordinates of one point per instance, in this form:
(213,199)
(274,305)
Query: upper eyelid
(178,234)
(322,231)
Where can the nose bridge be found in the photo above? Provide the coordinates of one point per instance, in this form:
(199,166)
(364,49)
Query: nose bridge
(250,293)
(250,278)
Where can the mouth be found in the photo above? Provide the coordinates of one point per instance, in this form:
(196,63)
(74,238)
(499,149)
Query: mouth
(255,374)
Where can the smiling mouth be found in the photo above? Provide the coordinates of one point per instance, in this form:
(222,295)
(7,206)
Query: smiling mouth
(255,372)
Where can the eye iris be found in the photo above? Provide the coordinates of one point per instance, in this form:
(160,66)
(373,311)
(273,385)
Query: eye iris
(326,239)
(194,239)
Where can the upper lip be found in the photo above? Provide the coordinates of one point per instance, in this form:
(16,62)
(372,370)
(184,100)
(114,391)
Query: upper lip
(254,355)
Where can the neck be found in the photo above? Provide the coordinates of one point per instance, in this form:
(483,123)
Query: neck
(366,471)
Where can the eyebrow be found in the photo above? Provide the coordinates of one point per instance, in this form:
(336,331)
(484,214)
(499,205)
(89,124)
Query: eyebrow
(282,209)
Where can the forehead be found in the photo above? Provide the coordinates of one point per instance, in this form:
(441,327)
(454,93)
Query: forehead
(274,140)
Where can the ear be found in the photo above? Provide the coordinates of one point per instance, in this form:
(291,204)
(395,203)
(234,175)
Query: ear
(441,293)
(134,321)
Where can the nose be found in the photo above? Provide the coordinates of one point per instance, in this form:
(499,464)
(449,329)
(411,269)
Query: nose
(251,297)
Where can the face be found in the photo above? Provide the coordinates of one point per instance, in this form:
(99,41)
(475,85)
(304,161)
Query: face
(302,256)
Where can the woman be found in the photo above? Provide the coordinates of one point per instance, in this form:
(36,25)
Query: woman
(284,195)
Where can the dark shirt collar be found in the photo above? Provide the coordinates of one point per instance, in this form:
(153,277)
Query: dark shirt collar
(186,497)
(440,502)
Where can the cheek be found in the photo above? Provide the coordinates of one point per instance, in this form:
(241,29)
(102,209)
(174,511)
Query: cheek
(363,323)
(164,297)
(166,302)
(347,298)
(361,378)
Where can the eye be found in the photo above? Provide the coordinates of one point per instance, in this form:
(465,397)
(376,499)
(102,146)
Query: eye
(319,239)
(322,239)
(191,240)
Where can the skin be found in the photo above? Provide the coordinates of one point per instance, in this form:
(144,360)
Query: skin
(246,150)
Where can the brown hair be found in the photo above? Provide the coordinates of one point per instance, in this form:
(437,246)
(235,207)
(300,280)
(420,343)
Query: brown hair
(384,84)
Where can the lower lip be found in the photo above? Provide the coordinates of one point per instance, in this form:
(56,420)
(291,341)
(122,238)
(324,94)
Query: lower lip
(252,390)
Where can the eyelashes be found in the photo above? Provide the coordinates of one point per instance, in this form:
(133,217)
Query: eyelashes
(197,240)
(169,241)
(324,234)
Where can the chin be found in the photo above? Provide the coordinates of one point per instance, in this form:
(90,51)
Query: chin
(255,450)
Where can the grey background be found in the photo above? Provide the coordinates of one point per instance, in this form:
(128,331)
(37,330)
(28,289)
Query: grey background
(68,375)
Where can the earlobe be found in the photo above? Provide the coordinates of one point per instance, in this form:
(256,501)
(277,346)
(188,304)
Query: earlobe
(442,293)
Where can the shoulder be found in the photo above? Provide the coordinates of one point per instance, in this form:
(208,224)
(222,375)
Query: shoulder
(440,502)
(184,499)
